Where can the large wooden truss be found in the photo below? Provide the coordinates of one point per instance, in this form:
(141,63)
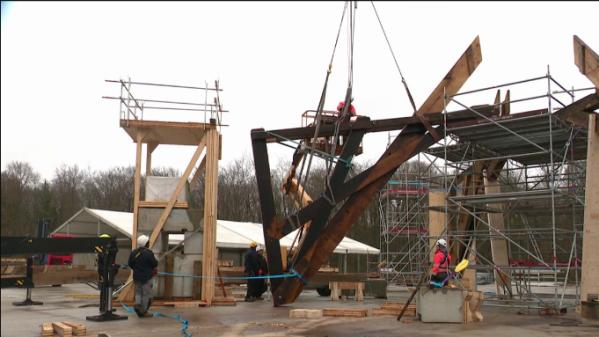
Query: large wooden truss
(348,197)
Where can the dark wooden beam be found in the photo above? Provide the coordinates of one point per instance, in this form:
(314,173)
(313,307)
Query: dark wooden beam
(267,207)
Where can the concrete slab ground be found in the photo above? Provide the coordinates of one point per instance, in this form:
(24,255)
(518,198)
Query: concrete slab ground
(262,319)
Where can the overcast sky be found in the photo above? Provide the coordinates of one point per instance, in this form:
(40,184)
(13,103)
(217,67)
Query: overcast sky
(270,58)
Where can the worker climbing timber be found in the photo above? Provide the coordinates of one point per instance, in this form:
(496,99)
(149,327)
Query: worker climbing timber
(441,260)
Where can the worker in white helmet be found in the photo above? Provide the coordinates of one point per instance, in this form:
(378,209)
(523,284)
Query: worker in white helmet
(441,262)
(144,264)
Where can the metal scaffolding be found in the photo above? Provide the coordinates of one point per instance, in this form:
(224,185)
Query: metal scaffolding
(539,162)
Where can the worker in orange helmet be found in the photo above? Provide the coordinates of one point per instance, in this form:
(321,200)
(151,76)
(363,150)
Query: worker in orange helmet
(352,109)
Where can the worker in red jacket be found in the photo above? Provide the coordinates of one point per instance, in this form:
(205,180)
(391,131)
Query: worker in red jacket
(351,110)
(441,262)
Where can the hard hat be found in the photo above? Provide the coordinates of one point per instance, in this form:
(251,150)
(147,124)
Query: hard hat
(442,242)
(142,240)
(105,236)
(340,106)
(253,244)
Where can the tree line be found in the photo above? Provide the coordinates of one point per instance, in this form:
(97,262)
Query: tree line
(26,199)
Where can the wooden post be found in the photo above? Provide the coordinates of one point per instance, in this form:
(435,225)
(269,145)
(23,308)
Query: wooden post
(209,255)
(436,219)
(590,259)
(128,294)
(136,190)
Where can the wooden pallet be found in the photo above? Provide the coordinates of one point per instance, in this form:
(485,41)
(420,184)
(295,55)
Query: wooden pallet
(340,312)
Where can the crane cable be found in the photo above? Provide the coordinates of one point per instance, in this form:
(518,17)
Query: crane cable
(403,80)
(318,116)
(321,106)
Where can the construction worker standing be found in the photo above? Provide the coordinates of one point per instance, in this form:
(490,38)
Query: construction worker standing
(262,285)
(251,265)
(144,264)
(441,262)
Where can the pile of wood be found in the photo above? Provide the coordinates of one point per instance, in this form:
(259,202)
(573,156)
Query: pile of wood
(393,309)
(64,329)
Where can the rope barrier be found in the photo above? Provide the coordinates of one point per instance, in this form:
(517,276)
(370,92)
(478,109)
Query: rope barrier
(294,274)
(184,322)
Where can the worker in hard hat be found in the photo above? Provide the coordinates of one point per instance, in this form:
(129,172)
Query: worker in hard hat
(441,260)
(144,264)
(262,284)
(351,110)
(251,263)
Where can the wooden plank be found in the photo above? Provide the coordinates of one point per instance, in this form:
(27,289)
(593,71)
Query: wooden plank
(305,313)
(392,312)
(344,312)
(62,329)
(167,211)
(590,262)
(163,204)
(78,328)
(586,60)
(455,78)
(47,329)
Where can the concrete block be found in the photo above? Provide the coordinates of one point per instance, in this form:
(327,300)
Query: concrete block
(444,305)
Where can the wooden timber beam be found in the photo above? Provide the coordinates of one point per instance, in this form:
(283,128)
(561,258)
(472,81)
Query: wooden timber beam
(577,112)
(455,78)
(586,60)
(378,125)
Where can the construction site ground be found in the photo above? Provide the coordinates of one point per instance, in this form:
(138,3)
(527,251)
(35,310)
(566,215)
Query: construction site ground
(69,303)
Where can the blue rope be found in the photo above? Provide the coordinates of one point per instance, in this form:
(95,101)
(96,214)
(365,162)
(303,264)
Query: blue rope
(276,276)
(184,322)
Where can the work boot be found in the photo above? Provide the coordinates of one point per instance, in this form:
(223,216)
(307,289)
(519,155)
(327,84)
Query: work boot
(249,299)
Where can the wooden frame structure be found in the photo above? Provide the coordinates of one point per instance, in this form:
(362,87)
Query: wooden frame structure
(349,197)
(206,140)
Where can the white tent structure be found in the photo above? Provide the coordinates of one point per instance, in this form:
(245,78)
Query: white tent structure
(229,234)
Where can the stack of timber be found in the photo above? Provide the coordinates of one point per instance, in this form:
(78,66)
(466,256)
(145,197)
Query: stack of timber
(393,309)
(64,329)
(47,330)
(78,328)
(341,312)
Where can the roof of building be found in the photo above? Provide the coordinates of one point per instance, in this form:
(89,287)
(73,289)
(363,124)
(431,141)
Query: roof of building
(229,234)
